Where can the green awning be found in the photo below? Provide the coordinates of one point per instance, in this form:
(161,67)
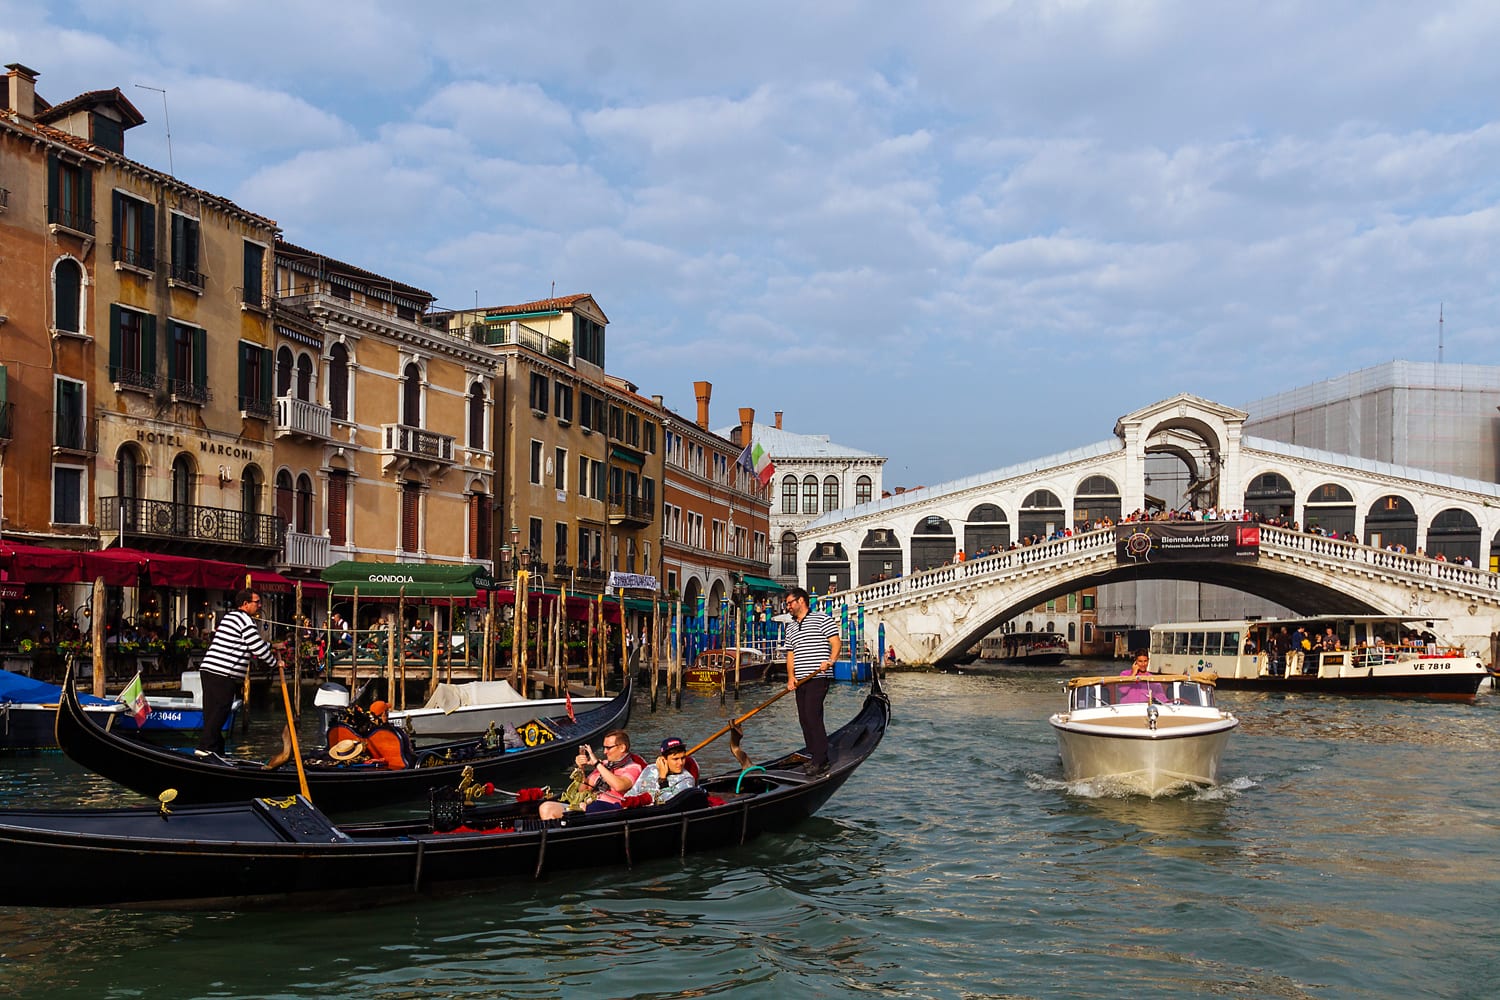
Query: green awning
(760,584)
(419,579)
(626,456)
(642,604)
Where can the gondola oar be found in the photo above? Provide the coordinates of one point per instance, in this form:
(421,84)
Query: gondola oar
(292,728)
(765,704)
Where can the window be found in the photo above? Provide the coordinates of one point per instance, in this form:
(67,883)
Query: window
(560,542)
(285,364)
(633,430)
(810,495)
(304,378)
(596,479)
(539,389)
(67,296)
(476,417)
(583,475)
(285,497)
(129,476)
(337,518)
(70,195)
(480,518)
(411,395)
(68,430)
(304,514)
(563,403)
(255,380)
(648,493)
(588,340)
(586,414)
(135,232)
(534,538)
(411,517)
(789,494)
(788,553)
(185,251)
(560,469)
(187,364)
(67,494)
(649,444)
(831,493)
(536,463)
(132,348)
(616,423)
(338,381)
(253,288)
(862,489)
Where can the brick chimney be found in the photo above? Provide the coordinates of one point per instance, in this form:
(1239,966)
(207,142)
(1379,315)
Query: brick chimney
(747,426)
(778,420)
(21,90)
(703,390)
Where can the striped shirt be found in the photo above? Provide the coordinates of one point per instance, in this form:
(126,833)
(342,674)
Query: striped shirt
(809,641)
(236,641)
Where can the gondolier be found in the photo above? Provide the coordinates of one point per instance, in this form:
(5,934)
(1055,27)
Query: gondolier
(812,639)
(236,642)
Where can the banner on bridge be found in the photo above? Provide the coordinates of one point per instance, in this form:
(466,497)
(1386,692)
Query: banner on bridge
(1170,541)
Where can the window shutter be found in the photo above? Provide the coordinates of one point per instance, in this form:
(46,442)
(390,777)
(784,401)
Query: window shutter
(338,492)
(148,345)
(118,212)
(200,358)
(114,342)
(54,188)
(410,510)
(265,374)
(148,235)
(86,198)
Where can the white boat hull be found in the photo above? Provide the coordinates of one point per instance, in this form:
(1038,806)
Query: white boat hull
(1184,749)
(474,720)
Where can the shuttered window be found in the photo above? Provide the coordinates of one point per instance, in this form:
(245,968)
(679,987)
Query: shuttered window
(338,492)
(411,512)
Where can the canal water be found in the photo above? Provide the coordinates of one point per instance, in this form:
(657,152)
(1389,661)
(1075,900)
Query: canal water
(1351,852)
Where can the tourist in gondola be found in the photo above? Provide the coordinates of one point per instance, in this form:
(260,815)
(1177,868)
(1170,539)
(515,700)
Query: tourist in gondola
(662,780)
(596,780)
(237,642)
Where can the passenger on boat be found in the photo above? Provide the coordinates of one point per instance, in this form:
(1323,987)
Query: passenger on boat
(1135,694)
(596,780)
(670,775)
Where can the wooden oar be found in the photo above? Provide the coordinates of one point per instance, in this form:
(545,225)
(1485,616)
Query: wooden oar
(765,704)
(292,728)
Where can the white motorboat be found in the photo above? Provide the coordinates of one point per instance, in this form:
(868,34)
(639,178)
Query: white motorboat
(1151,734)
(456,710)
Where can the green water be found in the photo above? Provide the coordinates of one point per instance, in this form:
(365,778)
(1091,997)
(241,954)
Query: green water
(1351,852)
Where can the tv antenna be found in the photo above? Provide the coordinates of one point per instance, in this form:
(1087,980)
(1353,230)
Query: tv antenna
(167,120)
(1440,333)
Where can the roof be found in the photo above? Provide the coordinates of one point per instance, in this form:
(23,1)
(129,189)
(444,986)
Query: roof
(557,304)
(331,265)
(132,117)
(784,446)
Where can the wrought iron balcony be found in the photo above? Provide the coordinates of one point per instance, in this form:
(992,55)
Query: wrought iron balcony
(303,419)
(191,523)
(134,378)
(414,447)
(185,391)
(254,406)
(185,274)
(629,512)
(562,570)
(78,222)
(134,256)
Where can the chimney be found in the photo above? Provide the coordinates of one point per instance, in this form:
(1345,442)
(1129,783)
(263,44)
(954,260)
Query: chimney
(703,390)
(21,90)
(747,426)
(778,420)
(657,399)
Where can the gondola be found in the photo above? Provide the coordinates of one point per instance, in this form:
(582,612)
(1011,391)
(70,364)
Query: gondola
(335,787)
(285,851)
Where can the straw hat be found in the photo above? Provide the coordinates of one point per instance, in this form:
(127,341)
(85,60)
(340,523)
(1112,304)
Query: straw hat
(346,750)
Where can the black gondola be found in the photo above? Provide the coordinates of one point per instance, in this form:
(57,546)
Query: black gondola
(271,852)
(149,769)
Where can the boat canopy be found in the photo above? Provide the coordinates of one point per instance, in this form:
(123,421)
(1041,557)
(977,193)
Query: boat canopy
(419,579)
(18,689)
(450,697)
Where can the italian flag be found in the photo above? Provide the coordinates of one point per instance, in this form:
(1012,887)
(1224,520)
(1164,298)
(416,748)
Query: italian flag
(756,459)
(135,697)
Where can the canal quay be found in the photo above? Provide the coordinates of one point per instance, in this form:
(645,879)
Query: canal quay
(1347,853)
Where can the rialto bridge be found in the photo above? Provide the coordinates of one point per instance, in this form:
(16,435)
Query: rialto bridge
(896,556)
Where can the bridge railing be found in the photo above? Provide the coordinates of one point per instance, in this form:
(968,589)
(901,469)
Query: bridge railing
(1451,574)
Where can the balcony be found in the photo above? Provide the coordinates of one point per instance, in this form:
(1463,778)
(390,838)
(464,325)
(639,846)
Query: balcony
(629,512)
(219,527)
(62,217)
(185,391)
(187,276)
(561,571)
(298,418)
(136,257)
(134,378)
(255,408)
(307,551)
(425,452)
(74,436)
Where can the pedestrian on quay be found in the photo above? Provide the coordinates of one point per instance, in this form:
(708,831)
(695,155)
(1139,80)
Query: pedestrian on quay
(812,639)
(237,641)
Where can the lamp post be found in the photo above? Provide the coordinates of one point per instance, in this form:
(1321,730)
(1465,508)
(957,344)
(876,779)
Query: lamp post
(510,551)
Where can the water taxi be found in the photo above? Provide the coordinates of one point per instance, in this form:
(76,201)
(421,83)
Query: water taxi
(1342,654)
(1152,733)
(1042,649)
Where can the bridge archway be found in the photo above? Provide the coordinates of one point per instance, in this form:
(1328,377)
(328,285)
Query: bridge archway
(828,568)
(1331,508)
(1454,534)
(932,543)
(1097,498)
(1391,521)
(1041,514)
(986,526)
(1270,495)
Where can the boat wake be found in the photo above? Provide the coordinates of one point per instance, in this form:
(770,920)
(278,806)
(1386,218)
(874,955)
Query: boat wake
(1113,788)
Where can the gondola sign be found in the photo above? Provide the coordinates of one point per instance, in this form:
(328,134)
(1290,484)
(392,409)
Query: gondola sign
(1170,541)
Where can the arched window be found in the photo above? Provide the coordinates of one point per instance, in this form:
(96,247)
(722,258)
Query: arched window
(182,493)
(338,381)
(809,494)
(789,549)
(284,363)
(863,487)
(129,475)
(304,378)
(285,496)
(411,395)
(789,494)
(476,416)
(304,504)
(831,493)
(250,484)
(67,296)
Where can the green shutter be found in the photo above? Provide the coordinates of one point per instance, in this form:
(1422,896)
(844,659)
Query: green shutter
(172,374)
(114,342)
(200,358)
(4,386)
(54,188)
(265,374)
(117,213)
(86,198)
(148,236)
(148,345)
(242,376)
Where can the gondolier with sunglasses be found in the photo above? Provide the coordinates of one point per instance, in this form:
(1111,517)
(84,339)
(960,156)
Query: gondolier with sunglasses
(812,641)
(236,642)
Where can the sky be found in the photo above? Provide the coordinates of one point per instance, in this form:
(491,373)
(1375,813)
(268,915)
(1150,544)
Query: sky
(960,235)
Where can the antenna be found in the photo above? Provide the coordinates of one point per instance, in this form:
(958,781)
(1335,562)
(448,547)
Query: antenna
(167,120)
(1440,333)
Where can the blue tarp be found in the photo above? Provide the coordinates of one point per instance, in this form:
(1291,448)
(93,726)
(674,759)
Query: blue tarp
(21,690)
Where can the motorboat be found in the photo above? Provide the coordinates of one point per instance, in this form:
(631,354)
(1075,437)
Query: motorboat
(471,709)
(285,851)
(727,666)
(1344,654)
(1151,734)
(28,709)
(179,714)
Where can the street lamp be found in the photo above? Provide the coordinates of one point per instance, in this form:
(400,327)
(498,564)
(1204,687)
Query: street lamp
(509,551)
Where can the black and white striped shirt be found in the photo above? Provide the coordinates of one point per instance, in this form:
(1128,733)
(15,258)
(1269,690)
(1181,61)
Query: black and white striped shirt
(236,642)
(810,642)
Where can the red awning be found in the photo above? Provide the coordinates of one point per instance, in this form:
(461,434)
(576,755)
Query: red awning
(41,564)
(118,567)
(206,574)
